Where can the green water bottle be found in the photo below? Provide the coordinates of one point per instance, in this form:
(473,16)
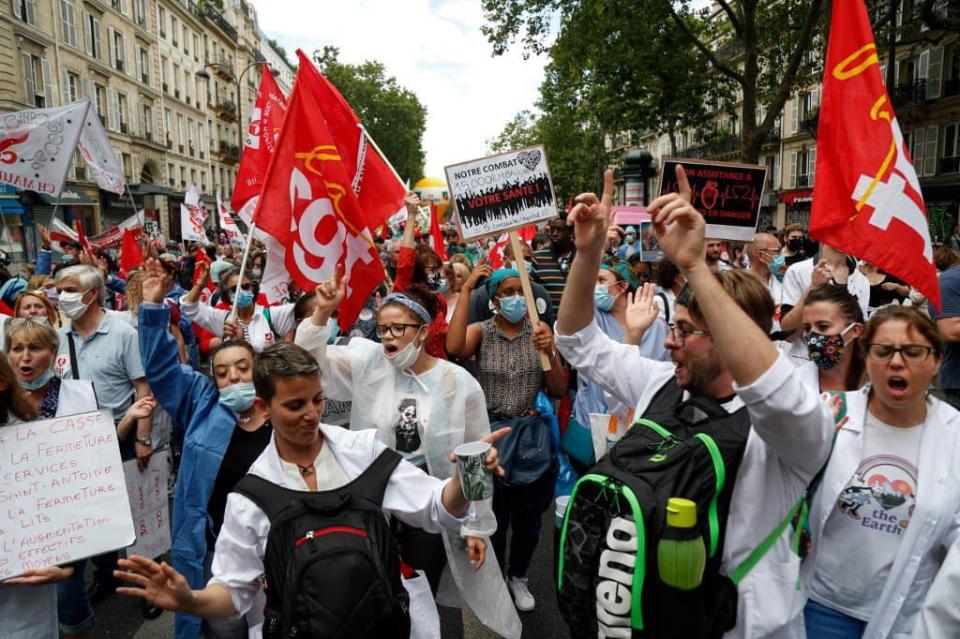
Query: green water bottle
(681,554)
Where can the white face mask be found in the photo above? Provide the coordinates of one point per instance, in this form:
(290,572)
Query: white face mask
(407,356)
(72,304)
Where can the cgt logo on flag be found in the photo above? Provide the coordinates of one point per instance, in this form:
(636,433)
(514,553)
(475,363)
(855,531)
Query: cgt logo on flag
(891,198)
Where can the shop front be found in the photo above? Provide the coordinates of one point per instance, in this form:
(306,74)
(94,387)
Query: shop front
(797,207)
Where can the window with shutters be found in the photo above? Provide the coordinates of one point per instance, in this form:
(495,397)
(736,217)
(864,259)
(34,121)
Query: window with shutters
(140,13)
(174,27)
(143,64)
(181,132)
(113,108)
(117,50)
(79,168)
(162,20)
(186,40)
(91,26)
(183,177)
(176,80)
(68,22)
(930,150)
(196,48)
(167,128)
(203,180)
(146,121)
(33,80)
(26,10)
(950,158)
(71,89)
(100,93)
(127,163)
(123,113)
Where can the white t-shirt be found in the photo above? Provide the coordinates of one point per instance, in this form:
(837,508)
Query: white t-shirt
(330,475)
(798,278)
(862,534)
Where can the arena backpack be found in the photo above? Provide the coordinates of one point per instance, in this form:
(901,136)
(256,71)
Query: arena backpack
(609,581)
(331,562)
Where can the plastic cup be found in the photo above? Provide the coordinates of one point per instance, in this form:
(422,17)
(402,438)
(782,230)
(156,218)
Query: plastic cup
(599,426)
(476,480)
(561,509)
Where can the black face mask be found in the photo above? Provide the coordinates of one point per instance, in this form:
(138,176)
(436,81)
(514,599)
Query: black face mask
(795,244)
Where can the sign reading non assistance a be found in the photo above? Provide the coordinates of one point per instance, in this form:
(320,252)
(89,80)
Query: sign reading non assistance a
(727,194)
(502,192)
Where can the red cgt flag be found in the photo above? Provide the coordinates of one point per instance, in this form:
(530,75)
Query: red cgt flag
(436,234)
(265,123)
(376,186)
(309,210)
(867,200)
(131,255)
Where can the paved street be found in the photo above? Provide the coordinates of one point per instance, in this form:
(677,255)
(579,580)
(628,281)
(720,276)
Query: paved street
(120,616)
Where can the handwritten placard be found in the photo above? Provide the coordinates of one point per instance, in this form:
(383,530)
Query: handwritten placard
(62,492)
(149,504)
(502,192)
(727,194)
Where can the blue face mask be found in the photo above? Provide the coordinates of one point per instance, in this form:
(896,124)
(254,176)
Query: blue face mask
(776,267)
(238,397)
(513,308)
(334,327)
(244,298)
(39,382)
(602,297)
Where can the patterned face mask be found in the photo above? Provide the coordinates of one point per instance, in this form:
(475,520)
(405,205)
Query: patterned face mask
(826,351)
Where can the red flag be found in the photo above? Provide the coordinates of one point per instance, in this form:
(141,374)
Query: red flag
(436,234)
(867,200)
(265,122)
(131,256)
(528,232)
(495,256)
(81,236)
(309,210)
(378,190)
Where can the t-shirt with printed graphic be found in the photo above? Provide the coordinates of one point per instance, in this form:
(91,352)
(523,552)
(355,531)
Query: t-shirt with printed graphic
(862,534)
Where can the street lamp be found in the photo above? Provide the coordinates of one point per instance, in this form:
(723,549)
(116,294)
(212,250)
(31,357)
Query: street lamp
(203,75)
(636,172)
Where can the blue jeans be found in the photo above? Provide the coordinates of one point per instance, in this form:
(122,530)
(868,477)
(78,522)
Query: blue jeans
(826,623)
(73,604)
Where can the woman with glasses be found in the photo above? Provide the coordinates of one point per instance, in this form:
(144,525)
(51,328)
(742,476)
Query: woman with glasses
(506,349)
(889,502)
(423,407)
(257,325)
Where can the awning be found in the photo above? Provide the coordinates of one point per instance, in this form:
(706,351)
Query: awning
(150,189)
(10,206)
(797,197)
(68,197)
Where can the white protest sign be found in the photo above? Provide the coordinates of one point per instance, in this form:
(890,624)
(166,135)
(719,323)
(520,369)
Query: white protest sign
(149,504)
(62,492)
(502,192)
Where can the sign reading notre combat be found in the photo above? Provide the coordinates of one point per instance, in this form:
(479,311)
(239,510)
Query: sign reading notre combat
(502,192)
(727,194)
(63,496)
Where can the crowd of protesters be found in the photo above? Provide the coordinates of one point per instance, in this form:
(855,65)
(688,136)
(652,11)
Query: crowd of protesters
(848,379)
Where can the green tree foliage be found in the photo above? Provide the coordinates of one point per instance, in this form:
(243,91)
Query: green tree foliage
(391,113)
(656,64)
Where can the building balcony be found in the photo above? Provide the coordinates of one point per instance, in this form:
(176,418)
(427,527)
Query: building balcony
(226,110)
(718,145)
(226,152)
(809,123)
(909,94)
(209,12)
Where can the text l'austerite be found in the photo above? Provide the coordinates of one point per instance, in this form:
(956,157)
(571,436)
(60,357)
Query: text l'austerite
(60,478)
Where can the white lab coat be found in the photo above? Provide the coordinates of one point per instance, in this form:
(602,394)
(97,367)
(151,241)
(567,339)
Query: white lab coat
(940,616)
(411,495)
(787,446)
(260,335)
(452,411)
(936,518)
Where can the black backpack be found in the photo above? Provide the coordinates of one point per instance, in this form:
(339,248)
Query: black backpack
(688,449)
(331,563)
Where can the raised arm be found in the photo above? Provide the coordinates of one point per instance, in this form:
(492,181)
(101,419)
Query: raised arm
(590,218)
(463,338)
(406,259)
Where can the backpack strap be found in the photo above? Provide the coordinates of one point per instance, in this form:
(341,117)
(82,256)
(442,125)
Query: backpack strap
(74,366)
(266,316)
(666,306)
(741,571)
(372,484)
(268,496)
(709,407)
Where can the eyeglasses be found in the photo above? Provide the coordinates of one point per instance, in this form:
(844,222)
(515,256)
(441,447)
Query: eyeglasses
(40,319)
(914,353)
(769,252)
(396,330)
(680,334)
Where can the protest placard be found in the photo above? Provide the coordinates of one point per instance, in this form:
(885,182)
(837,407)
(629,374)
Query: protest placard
(726,193)
(63,495)
(650,250)
(502,192)
(149,504)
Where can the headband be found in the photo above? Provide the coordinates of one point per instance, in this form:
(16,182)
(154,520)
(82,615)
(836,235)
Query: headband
(400,298)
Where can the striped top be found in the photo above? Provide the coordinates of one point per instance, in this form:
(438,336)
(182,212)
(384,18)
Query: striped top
(551,271)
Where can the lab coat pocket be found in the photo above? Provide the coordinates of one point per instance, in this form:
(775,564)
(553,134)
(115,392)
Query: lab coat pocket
(770,602)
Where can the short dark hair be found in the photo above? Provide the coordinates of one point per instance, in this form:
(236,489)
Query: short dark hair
(222,346)
(284,360)
(747,291)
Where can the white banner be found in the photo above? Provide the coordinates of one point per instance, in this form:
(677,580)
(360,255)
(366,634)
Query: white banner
(62,492)
(36,146)
(150,504)
(193,217)
(94,146)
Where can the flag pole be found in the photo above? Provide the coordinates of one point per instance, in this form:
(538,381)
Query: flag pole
(126,187)
(243,265)
(376,147)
